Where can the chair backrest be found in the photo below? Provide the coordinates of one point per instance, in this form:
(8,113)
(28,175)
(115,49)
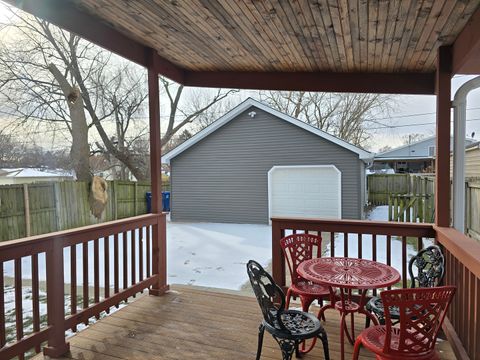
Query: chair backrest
(430,265)
(269,295)
(422,312)
(300,247)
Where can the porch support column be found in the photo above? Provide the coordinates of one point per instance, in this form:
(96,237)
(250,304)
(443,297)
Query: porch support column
(159,235)
(442,160)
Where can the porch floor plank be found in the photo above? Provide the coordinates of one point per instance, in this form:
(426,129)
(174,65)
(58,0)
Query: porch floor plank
(191,323)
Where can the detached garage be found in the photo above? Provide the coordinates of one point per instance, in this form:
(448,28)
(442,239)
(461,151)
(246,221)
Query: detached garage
(255,163)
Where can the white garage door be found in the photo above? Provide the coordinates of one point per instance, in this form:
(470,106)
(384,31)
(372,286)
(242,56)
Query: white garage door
(305,191)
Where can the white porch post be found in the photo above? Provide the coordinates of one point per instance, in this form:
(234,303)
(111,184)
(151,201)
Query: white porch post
(459,133)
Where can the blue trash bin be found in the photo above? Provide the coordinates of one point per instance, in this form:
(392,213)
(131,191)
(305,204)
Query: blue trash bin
(148,197)
(166,200)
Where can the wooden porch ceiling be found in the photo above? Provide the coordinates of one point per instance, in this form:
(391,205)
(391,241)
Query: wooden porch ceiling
(347,45)
(290,36)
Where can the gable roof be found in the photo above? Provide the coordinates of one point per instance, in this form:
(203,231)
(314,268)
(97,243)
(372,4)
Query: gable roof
(387,155)
(232,114)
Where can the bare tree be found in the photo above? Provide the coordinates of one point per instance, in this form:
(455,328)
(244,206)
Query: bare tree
(345,115)
(52,79)
(198,107)
(412,138)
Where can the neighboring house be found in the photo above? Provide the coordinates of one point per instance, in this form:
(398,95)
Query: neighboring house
(31,175)
(255,162)
(418,157)
(472,161)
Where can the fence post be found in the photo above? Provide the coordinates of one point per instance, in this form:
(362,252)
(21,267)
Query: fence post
(57,345)
(26,202)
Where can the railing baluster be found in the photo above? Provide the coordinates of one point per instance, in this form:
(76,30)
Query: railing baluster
(404,261)
(106,263)
(96,273)
(419,243)
(140,254)
(148,251)
(476,353)
(389,252)
(116,266)
(133,244)
(18,300)
(125,270)
(2,308)
(345,244)
(35,298)
(471,313)
(374,255)
(332,244)
(360,245)
(85,275)
(464,300)
(73,282)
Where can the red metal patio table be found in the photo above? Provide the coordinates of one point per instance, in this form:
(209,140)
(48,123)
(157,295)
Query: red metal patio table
(347,274)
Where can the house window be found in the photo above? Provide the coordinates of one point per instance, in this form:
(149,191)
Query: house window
(431,151)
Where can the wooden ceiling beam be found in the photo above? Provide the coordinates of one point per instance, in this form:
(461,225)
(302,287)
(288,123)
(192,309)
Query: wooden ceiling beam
(395,83)
(70,18)
(466,48)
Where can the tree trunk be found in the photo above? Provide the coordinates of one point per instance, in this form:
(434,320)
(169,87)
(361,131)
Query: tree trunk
(80,151)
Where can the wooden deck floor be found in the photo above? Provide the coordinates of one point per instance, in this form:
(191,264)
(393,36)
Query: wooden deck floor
(189,323)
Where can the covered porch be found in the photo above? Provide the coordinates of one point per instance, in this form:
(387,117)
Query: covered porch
(186,324)
(330,47)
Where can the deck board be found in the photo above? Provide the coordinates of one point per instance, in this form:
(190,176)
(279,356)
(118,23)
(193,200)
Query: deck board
(189,323)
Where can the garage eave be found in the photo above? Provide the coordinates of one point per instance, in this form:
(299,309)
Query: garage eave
(364,155)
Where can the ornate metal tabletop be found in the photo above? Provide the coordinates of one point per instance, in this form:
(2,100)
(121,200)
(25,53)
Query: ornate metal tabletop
(348,273)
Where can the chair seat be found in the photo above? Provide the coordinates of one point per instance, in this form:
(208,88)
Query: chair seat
(373,338)
(299,325)
(307,288)
(375,305)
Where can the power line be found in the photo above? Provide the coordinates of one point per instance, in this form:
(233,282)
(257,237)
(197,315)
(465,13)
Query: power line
(407,125)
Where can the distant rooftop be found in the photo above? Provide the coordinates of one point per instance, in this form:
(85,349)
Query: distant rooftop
(35,173)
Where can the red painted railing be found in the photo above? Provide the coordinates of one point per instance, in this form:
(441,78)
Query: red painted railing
(100,265)
(393,243)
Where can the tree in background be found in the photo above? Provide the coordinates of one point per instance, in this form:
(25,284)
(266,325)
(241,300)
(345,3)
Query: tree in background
(412,138)
(54,82)
(345,115)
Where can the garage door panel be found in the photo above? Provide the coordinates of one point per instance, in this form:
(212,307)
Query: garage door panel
(305,191)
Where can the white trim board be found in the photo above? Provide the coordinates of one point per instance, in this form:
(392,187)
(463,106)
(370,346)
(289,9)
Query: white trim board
(232,114)
(274,168)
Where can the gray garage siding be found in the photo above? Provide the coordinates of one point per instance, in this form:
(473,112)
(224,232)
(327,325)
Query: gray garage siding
(223,178)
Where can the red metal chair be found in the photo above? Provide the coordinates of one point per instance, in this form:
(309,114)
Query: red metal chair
(422,311)
(296,249)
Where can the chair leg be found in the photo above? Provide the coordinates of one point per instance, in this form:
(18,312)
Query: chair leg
(306,302)
(322,317)
(356,349)
(367,322)
(287,298)
(261,331)
(288,347)
(324,339)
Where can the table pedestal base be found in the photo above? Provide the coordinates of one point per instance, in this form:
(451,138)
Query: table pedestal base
(347,306)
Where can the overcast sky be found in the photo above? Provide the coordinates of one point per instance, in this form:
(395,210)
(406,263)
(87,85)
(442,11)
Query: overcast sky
(416,114)
(412,114)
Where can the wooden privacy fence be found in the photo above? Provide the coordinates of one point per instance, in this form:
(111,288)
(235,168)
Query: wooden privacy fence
(34,209)
(472,211)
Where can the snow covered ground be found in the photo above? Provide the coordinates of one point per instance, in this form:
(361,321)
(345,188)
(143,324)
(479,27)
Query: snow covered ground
(210,254)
